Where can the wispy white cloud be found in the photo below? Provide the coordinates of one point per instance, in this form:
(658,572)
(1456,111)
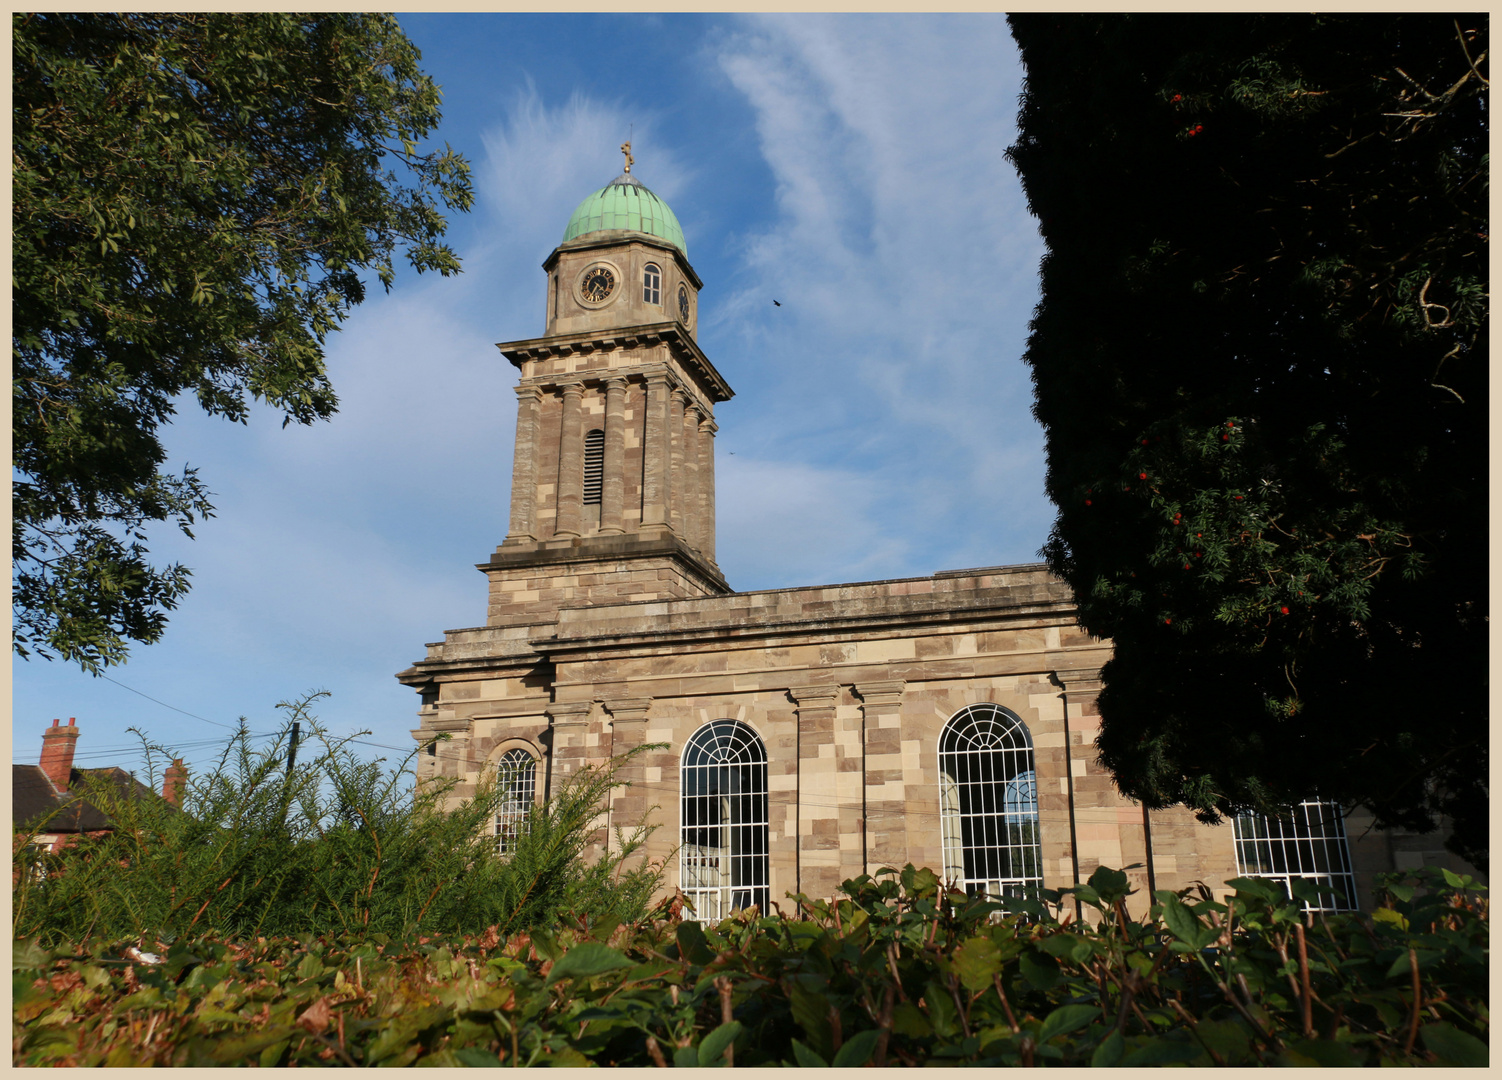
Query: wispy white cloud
(905,262)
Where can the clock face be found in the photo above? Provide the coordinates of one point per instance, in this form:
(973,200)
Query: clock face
(683,302)
(597,285)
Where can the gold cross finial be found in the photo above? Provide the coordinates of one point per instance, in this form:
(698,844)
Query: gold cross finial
(626,149)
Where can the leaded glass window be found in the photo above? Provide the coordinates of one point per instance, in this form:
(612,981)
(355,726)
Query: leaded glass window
(723,864)
(1307,845)
(517,780)
(988,803)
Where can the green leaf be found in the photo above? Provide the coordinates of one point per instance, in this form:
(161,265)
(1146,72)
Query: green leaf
(692,944)
(1110,1051)
(712,1049)
(1453,1046)
(1067,1018)
(857,1049)
(1160,1051)
(477,1057)
(583,961)
(976,962)
(1039,969)
(806,1058)
(1110,884)
(1184,925)
(686,1057)
(28,954)
(1323,1052)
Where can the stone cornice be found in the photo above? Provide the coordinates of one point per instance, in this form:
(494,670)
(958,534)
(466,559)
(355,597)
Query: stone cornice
(672,334)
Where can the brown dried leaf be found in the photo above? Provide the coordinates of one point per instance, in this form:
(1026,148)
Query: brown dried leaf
(316,1017)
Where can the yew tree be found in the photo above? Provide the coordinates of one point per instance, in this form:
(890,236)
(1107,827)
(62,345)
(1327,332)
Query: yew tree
(1260,359)
(197,202)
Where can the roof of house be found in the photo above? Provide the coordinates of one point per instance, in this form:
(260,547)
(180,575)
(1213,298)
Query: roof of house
(34,801)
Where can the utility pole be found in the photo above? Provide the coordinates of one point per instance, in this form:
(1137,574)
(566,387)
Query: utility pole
(292,749)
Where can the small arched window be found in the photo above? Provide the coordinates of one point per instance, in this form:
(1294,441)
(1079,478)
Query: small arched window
(594,467)
(1307,845)
(651,284)
(723,863)
(517,781)
(988,808)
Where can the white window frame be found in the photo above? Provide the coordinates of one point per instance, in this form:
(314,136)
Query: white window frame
(517,774)
(988,803)
(1309,845)
(724,859)
(651,284)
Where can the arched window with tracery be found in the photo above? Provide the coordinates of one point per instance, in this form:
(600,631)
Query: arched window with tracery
(517,780)
(1308,844)
(988,807)
(651,284)
(722,863)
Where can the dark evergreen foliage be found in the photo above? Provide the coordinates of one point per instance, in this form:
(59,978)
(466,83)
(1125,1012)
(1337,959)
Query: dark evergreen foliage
(195,200)
(1260,359)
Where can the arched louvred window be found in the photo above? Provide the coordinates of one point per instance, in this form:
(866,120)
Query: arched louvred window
(1307,845)
(988,808)
(651,284)
(594,467)
(722,863)
(517,780)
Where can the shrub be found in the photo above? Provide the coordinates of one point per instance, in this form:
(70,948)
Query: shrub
(339,845)
(899,971)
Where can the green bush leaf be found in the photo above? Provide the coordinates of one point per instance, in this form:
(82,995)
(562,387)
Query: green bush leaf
(857,1050)
(1110,884)
(976,962)
(712,1049)
(1160,1051)
(692,945)
(1109,1052)
(806,1058)
(582,961)
(1453,1046)
(1067,1018)
(476,1057)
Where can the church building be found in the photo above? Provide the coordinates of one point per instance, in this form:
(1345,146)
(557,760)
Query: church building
(812,734)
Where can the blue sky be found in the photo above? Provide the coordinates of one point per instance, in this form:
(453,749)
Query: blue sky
(850,166)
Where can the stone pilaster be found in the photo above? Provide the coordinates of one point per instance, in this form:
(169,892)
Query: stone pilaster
(885,784)
(707,429)
(674,442)
(654,484)
(629,806)
(524,465)
(570,462)
(819,862)
(692,508)
(1106,828)
(612,491)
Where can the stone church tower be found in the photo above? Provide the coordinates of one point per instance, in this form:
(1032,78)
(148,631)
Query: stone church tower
(812,734)
(612,491)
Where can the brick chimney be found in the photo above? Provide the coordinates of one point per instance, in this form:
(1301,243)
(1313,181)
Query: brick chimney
(58,744)
(176,779)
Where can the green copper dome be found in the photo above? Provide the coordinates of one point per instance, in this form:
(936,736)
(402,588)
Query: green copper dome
(626,203)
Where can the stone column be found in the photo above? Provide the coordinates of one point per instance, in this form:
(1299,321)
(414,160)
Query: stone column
(1092,795)
(818,806)
(524,466)
(570,463)
(654,482)
(692,516)
(629,806)
(707,428)
(674,446)
(885,785)
(613,489)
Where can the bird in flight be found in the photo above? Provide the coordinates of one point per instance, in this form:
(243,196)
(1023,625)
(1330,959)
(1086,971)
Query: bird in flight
(777,302)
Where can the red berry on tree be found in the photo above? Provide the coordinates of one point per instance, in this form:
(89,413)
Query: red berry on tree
(1284,609)
(1142,476)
